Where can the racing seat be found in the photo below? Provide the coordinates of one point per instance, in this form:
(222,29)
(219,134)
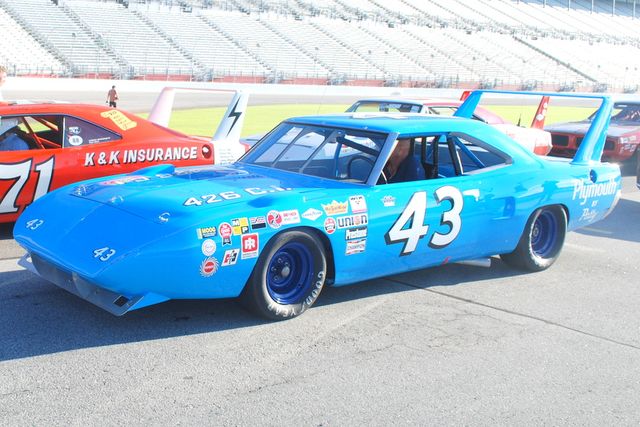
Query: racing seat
(28,140)
(410,170)
(11,141)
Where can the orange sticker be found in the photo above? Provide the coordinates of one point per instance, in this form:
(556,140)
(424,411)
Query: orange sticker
(119,119)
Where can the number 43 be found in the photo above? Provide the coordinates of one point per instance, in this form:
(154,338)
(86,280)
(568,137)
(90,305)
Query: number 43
(409,228)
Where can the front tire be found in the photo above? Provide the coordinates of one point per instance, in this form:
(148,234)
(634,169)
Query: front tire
(288,276)
(541,240)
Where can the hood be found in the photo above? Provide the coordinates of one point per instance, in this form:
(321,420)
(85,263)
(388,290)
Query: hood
(581,128)
(617,129)
(572,127)
(163,193)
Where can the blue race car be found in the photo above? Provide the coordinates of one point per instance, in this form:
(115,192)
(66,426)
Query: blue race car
(323,200)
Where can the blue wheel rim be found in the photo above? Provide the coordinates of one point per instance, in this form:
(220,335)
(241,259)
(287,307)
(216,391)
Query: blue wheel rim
(544,234)
(289,274)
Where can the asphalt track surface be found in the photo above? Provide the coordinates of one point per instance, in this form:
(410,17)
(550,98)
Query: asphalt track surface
(453,345)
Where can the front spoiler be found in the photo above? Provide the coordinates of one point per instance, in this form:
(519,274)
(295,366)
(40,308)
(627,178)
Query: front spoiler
(113,302)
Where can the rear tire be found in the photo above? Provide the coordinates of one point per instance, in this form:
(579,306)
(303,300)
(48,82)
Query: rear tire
(288,276)
(541,241)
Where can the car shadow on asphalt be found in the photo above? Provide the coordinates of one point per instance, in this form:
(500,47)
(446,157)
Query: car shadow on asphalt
(37,318)
(621,224)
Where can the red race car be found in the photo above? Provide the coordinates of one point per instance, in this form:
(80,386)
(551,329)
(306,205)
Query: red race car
(623,136)
(44,146)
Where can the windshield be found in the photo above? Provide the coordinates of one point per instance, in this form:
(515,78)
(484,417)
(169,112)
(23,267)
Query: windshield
(626,113)
(338,154)
(384,107)
(623,113)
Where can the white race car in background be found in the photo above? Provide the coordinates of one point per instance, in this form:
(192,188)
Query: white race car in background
(534,138)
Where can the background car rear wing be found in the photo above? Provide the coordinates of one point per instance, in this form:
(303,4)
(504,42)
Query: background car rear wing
(538,118)
(226,139)
(593,143)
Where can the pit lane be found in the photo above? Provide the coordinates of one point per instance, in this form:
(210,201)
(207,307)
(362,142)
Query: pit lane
(449,345)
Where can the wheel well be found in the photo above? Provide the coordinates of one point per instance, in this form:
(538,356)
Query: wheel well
(566,211)
(563,207)
(328,250)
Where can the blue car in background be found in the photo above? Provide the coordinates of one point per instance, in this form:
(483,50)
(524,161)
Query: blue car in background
(314,204)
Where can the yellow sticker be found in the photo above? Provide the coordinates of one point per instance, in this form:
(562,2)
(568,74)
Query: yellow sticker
(119,119)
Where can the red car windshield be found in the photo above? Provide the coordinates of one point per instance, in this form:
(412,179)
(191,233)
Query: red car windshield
(623,113)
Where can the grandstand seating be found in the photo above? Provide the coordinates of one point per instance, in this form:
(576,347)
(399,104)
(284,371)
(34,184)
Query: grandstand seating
(135,41)
(276,52)
(23,52)
(64,36)
(205,43)
(555,44)
(322,44)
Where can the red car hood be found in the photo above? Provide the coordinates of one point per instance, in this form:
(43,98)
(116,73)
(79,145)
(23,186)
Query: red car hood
(615,129)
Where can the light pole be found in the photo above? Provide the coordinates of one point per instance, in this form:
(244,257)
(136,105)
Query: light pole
(98,51)
(73,47)
(168,62)
(315,62)
(384,63)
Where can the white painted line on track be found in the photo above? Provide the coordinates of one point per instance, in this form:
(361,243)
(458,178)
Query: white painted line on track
(9,265)
(598,230)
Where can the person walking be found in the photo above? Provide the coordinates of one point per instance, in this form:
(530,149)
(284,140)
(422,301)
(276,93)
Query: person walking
(112,97)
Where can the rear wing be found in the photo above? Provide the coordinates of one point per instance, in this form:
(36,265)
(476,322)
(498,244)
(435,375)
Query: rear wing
(590,149)
(538,118)
(226,139)
(541,113)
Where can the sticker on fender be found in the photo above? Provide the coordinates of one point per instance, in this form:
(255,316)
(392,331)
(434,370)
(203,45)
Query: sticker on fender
(119,119)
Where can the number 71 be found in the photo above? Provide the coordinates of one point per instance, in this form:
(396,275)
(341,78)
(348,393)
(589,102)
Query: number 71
(20,172)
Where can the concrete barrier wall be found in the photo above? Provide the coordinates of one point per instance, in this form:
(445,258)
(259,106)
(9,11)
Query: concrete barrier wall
(21,87)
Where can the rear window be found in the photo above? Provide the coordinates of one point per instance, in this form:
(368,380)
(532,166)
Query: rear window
(79,132)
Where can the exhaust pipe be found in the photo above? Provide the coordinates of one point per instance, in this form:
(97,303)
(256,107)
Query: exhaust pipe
(478,262)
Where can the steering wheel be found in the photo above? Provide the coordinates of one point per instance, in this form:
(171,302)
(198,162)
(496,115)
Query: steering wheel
(358,157)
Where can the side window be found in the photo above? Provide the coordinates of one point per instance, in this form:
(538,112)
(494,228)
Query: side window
(474,155)
(440,160)
(30,132)
(78,132)
(439,156)
(46,128)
